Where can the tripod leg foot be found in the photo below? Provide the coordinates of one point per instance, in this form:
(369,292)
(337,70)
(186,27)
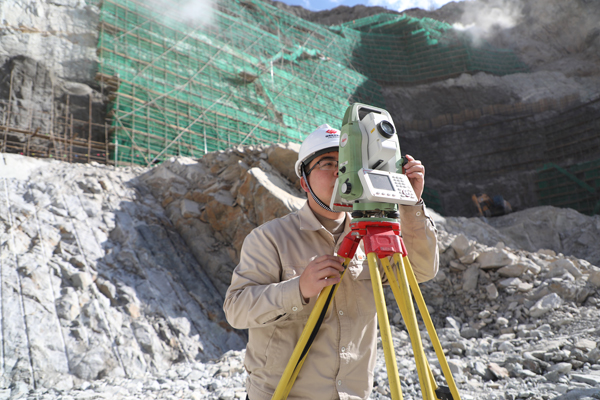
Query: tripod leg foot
(443,393)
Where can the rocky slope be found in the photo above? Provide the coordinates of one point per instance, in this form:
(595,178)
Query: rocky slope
(112,280)
(95,282)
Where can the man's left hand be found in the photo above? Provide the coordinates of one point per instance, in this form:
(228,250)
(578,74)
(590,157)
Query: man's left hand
(415,172)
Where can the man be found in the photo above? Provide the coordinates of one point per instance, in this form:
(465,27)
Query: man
(286,262)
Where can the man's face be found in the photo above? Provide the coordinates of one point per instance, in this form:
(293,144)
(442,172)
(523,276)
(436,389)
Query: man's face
(322,182)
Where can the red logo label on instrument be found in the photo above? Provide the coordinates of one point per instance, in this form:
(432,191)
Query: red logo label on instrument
(344,140)
(331,131)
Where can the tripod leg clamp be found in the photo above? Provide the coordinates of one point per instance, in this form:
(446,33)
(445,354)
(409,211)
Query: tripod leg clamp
(349,245)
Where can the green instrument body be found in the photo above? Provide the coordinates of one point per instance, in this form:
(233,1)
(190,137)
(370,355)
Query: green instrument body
(359,137)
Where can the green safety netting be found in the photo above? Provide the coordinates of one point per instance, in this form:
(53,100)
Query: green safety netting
(398,49)
(575,186)
(257,74)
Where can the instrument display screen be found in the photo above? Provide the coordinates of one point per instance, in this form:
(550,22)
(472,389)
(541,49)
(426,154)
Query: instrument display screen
(381,182)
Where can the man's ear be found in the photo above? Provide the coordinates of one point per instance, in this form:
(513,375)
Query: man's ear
(303,184)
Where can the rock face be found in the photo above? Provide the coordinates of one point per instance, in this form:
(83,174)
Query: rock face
(114,278)
(47,66)
(96,283)
(216,201)
(60,34)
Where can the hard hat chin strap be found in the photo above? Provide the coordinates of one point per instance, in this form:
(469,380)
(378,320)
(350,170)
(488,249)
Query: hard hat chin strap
(314,196)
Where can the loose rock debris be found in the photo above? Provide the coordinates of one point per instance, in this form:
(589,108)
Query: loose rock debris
(112,285)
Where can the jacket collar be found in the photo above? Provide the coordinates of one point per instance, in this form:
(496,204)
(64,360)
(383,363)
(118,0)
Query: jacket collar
(309,222)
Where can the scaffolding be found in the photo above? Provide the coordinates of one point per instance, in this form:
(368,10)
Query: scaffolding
(60,135)
(258,75)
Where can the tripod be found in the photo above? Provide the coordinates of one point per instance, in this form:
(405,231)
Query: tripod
(381,239)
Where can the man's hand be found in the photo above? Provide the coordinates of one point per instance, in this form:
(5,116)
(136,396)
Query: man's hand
(319,273)
(415,172)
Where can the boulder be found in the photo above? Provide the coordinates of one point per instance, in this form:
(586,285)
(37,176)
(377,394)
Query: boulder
(107,288)
(90,364)
(513,270)
(545,304)
(495,258)
(265,196)
(497,371)
(585,344)
(189,209)
(520,267)
(283,158)
(590,379)
(82,280)
(460,245)
(470,277)
(67,306)
(492,291)
(509,282)
(562,265)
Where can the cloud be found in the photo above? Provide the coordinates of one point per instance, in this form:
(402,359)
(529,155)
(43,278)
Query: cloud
(401,5)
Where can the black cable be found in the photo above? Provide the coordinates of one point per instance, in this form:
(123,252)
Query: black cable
(315,330)
(314,196)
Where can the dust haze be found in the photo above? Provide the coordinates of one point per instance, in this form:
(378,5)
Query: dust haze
(482,20)
(192,12)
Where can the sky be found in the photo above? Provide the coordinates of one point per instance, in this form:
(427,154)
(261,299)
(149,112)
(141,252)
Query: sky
(396,5)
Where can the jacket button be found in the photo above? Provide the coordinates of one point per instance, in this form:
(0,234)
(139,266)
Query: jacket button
(343,349)
(339,383)
(294,308)
(418,213)
(341,312)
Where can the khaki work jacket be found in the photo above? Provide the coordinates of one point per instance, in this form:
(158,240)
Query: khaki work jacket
(264,297)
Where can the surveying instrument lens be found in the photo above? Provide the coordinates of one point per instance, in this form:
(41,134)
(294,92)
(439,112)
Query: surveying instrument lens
(386,129)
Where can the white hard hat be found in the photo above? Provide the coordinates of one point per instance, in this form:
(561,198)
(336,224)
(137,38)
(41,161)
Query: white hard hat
(323,140)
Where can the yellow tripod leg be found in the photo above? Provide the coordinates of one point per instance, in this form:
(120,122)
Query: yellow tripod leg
(384,329)
(401,290)
(402,306)
(435,341)
(301,351)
